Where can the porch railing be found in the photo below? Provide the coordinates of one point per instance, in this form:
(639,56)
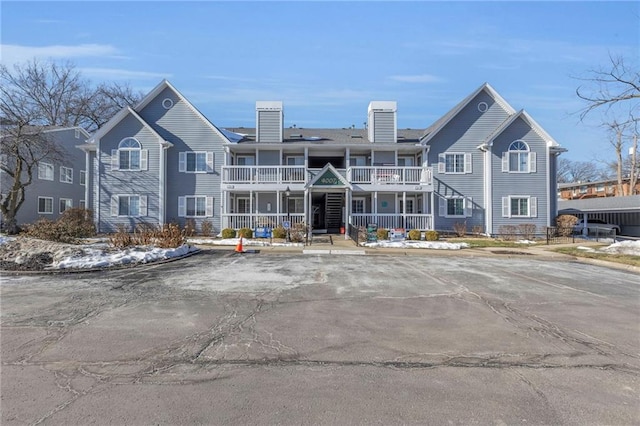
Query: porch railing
(422,222)
(299,174)
(258,220)
(390,175)
(263,174)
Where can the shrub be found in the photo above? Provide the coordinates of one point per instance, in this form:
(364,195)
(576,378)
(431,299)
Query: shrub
(190,227)
(383,234)
(121,238)
(298,233)
(477,230)
(460,228)
(73,224)
(170,236)
(206,228)
(431,236)
(508,232)
(527,230)
(245,233)
(565,224)
(228,233)
(414,234)
(279,232)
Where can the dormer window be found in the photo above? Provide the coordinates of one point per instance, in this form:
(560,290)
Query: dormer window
(129,156)
(519,159)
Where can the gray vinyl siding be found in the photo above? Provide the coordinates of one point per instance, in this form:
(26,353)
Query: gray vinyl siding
(463,134)
(522,184)
(74,158)
(184,128)
(268,158)
(115,182)
(269,126)
(384,127)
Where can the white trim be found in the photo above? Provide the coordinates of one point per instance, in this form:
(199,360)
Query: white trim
(443,206)
(532,206)
(45,198)
(183,158)
(142,205)
(64,175)
(183,201)
(466,158)
(47,166)
(167,103)
(82,173)
(70,204)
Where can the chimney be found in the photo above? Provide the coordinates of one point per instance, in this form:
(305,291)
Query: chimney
(269,121)
(382,122)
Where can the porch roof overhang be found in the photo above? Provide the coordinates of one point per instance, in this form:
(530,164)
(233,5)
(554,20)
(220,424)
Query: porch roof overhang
(328,177)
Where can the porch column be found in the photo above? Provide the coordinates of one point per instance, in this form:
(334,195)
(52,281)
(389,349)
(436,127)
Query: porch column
(347,212)
(278,207)
(375,206)
(404,209)
(251,213)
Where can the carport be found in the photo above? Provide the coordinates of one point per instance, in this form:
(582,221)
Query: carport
(622,211)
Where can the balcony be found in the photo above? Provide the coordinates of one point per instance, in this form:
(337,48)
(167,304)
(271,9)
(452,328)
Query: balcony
(370,178)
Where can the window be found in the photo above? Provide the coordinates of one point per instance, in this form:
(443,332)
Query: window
(519,206)
(243,205)
(600,187)
(410,204)
(452,163)
(66,174)
(45,205)
(195,162)
(245,160)
(82,204)
(195,206)
(583,189)
(45,171)
(357,205)
(65,203)
(406,161)
(129,205)
(456,207)
(296,205)
(358,161)
(295,161)
(129,156)
(518,159)
(83,177)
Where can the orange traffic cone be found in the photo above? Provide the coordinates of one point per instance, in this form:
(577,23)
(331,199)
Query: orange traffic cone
(239,248)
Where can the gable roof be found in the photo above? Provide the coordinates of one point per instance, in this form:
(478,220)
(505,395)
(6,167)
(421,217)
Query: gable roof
(329,168)
(124,112)
(527,119)
(432,130)
(164,84)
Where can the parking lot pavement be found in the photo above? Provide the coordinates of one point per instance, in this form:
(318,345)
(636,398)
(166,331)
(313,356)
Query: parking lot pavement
(221,338)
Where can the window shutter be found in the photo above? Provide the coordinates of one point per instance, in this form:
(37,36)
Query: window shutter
(533,207)
(532,162)
(442,206)
(209,162)
(505,162)
(468,163)
(209,212)
(468,207)
(182,162)
(505,206)
(115,160)
(182,206)
(143,205)
(441,163)
(114,205)
(144,156)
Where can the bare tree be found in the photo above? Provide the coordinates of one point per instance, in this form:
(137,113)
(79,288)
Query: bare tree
(574,171)
(37,95)
(619,84)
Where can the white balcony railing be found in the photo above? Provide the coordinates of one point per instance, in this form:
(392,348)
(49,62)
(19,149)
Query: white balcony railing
(263,174)
(390,175)
(422,222)
(259,220)
(299,174)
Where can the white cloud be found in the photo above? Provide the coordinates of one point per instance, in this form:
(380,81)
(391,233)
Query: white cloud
(11,53)
(121,74)
(418,78)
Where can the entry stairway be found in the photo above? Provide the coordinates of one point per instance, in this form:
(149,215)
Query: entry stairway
(333,211)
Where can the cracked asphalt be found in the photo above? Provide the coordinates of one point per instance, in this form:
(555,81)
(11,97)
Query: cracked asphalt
(283,338)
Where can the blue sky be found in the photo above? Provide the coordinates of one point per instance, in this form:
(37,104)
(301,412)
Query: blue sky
(327,60)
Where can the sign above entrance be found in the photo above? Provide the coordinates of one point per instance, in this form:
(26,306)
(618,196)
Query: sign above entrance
(328,179)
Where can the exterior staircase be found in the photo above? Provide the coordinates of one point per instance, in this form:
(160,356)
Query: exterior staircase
(333,211)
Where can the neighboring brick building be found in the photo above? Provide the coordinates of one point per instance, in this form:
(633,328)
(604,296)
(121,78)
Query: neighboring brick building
(602,188)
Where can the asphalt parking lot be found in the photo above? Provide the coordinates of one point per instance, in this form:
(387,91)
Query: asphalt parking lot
(282,338)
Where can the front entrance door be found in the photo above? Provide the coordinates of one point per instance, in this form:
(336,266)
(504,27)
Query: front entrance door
(327,209)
